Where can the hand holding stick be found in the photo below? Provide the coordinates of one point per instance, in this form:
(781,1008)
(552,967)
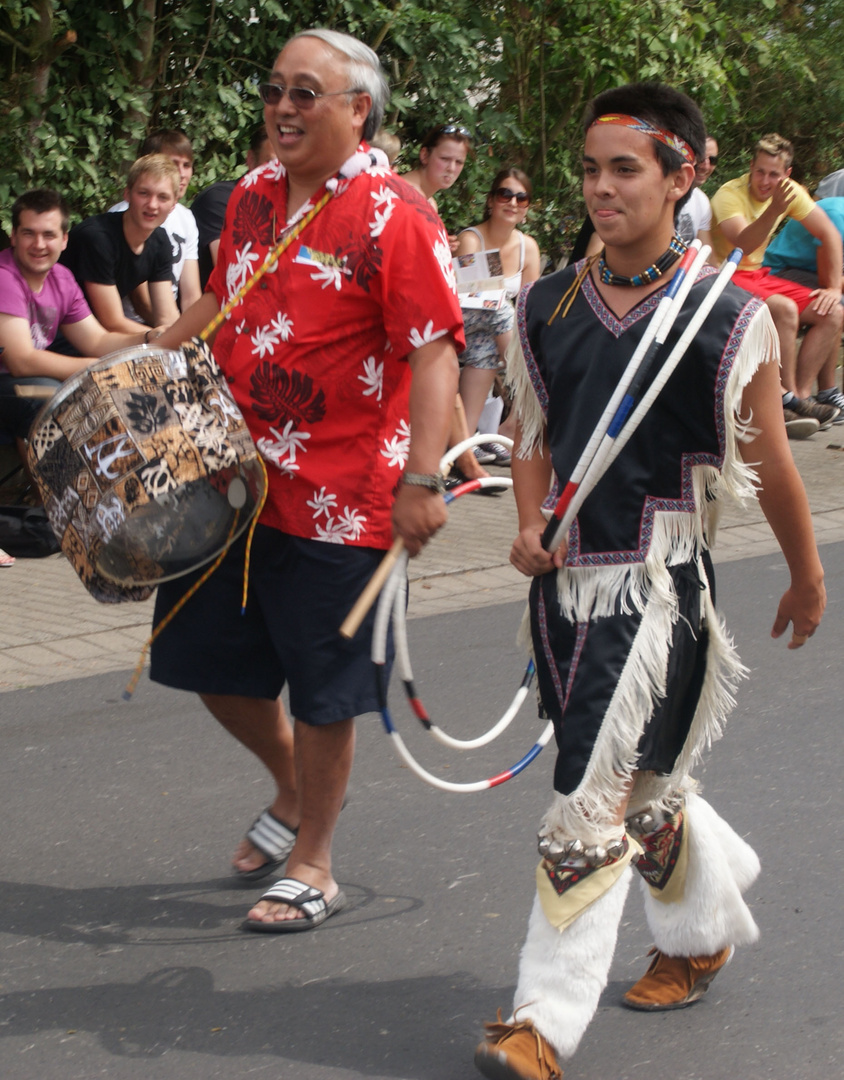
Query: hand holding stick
(351,624)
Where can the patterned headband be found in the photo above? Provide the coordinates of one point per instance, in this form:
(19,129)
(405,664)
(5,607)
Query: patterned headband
(674,142)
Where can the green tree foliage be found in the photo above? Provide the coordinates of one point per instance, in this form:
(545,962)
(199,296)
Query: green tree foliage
(556,56)
(84,82)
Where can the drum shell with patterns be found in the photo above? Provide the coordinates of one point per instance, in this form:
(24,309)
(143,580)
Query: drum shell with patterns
(146,468)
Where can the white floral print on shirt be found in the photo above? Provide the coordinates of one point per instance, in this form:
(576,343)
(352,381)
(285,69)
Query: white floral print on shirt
(372,378)
(396,449)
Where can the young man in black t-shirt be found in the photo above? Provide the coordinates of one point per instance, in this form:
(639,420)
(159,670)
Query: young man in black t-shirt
(111,254)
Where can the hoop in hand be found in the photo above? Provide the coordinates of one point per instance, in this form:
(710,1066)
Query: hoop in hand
(392,606)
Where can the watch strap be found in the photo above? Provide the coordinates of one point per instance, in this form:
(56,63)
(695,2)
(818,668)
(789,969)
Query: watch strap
(434,481)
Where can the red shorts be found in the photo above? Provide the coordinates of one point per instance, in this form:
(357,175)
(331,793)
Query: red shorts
(763,283)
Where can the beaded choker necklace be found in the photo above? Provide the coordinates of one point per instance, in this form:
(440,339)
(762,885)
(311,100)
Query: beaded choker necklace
(675,249)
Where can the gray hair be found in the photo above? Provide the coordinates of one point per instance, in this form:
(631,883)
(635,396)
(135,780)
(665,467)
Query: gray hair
(364,69)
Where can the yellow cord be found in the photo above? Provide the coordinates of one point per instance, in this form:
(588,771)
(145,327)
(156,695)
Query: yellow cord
(177,607)
(251,533)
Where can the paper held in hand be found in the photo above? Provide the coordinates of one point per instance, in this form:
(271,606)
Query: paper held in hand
(480,283)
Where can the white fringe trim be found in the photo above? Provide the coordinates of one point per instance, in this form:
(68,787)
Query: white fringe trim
(526,405)
(738,479)
(614,756)
(606,781)
(653,791)
(591,592)
(724,671)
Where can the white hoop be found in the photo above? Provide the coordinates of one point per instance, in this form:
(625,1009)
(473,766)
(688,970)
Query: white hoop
(392,604)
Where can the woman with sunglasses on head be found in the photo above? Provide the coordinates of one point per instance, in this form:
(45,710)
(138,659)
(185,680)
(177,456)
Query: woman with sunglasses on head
(442,156)
(488,332)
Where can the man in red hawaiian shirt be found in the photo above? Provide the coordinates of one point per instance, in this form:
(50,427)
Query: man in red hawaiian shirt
(334,358)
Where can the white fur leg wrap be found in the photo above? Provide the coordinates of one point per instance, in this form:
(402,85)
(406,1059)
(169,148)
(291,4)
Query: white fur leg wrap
(712,913)
(561,975)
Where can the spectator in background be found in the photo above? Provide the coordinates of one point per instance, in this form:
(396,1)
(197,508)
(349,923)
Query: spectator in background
(209,207)
(488,333)
(745,214)
(38,298)
(388,142)
(832,186)
(180,227)
(793,255)
(695,218)
(110,255)
(442,156)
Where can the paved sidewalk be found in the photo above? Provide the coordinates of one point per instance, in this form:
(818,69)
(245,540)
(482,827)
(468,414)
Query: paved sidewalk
(51,630)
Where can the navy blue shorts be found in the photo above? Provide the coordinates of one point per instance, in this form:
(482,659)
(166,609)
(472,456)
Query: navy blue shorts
(299,593)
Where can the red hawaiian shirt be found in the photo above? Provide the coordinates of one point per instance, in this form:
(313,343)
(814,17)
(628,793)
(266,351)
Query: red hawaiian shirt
(315,354)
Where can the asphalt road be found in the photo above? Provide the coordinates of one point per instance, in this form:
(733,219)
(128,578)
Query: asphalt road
(120,949)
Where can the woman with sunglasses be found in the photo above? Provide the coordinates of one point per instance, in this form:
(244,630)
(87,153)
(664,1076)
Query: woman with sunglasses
(488,332)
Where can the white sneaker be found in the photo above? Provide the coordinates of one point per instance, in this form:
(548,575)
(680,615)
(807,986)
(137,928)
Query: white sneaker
(482,455)
(500,453)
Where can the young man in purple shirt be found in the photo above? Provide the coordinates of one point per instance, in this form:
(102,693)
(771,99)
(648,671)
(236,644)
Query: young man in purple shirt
(38,298)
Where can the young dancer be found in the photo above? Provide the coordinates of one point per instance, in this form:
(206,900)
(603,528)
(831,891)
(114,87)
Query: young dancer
(634,665)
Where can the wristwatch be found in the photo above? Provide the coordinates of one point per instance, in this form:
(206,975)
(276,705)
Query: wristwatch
(434,481)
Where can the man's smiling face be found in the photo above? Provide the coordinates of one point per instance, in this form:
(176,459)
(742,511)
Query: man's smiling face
(313,142)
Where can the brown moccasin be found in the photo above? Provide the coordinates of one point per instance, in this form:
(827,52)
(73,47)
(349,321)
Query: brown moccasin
(516,1052)
(673,982)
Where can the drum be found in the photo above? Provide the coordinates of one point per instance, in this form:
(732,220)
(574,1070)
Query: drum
(146,468)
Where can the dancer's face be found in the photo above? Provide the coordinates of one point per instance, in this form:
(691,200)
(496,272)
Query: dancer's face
(629,199)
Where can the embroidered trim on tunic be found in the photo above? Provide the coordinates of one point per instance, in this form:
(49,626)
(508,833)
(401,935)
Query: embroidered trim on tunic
(642,310)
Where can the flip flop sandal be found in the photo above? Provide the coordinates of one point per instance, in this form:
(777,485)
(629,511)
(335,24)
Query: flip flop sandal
(6,559)
(272,838)
(311,902)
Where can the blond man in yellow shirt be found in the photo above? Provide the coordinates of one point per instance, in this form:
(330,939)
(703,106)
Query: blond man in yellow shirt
(745,213)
